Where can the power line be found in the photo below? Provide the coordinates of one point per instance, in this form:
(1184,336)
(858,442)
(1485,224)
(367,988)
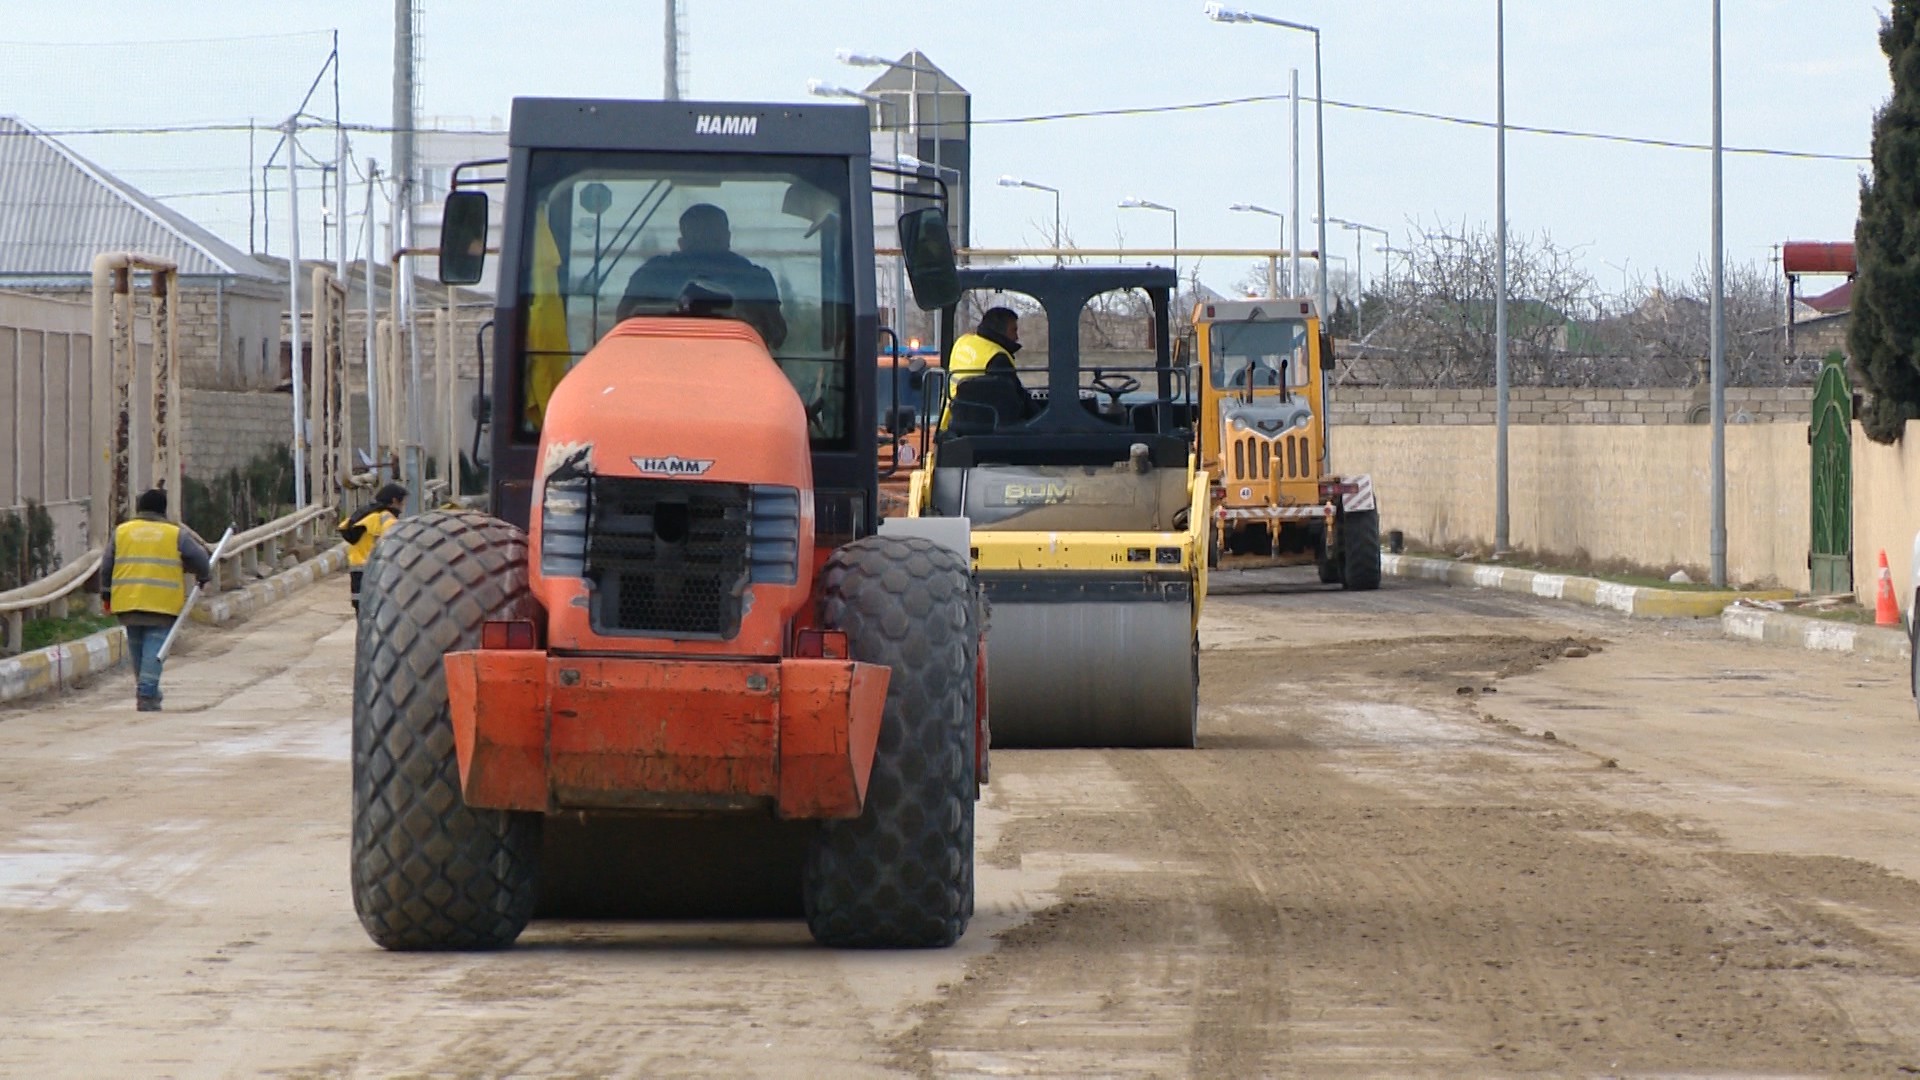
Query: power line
(164,41)
(1083,114)
(1386,110)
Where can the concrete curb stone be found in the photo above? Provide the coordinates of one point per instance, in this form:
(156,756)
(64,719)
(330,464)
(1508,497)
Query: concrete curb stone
(1819,635)
(1638,601)
(236,604)
(60,667)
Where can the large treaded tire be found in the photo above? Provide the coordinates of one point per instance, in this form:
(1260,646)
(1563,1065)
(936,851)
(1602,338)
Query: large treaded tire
(900,876)
(1360,551)
(428,871)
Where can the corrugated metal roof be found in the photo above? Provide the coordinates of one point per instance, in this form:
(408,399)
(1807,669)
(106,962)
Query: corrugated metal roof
(58,210)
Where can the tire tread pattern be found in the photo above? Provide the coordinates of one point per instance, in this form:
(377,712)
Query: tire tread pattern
(901,874)
(428,871)
(1360,551)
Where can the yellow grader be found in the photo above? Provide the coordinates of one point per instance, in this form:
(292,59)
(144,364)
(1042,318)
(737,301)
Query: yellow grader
(1260,366)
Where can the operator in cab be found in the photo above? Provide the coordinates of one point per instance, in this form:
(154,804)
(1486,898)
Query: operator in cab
(988,350)
(707,273)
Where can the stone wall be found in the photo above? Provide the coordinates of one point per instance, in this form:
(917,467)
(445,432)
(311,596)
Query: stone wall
(1355,405)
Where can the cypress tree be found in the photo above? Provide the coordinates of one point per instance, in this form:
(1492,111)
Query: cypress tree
(1885,333)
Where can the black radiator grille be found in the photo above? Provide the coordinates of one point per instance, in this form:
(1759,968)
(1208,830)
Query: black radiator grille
(668,557)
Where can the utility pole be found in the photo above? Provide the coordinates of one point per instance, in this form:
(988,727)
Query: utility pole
(373,364)
(403,97)
(672,59)
(293,318)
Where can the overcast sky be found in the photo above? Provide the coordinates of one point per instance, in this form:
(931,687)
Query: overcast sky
(1801,75)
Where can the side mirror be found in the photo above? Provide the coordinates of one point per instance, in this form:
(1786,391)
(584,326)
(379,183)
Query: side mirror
(916,367)
(930,262)
(463,238)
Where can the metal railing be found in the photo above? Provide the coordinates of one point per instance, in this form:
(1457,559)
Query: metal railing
(300,529)
(53,592)
(303,530)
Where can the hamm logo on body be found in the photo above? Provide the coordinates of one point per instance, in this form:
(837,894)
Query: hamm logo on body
(671,466)
(725,125)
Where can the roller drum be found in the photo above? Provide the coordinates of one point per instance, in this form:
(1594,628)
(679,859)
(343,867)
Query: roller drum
(1073,667)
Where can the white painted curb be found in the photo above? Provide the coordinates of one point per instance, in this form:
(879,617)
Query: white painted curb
(60,667)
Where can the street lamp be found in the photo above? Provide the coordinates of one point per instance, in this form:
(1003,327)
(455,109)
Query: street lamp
(1131,203)
(822,88)
(1010,181)
(1500,512)
(1224,14)
(1390,251)
(855,59)
(1717,344)
(1273,271)
(1359,267)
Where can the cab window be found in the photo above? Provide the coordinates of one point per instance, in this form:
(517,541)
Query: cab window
(1256,352)
(612,236)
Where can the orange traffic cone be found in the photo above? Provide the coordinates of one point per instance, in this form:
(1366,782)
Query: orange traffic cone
(1886,610)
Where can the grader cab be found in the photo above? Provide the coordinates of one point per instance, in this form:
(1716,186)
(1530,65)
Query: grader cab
(679,642)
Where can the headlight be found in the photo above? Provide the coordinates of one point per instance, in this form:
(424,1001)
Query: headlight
(1239,424)
(563,528)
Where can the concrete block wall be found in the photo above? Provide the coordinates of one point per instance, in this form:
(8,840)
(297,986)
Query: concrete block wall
(1587,494)
(226,429)
(1567,405)
(227,331)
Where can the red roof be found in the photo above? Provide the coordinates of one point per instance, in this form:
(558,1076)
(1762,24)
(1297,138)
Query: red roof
(1832,302)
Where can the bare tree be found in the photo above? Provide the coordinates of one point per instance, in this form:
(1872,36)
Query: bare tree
(1437,322)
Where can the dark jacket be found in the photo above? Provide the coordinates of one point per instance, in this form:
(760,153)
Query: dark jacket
(657,286)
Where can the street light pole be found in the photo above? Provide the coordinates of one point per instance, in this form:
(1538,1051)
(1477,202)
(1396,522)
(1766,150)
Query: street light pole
(1148,204)
(1293,246)
(1718,333)
(1501,521)
(1222,13)
(1011,181)
(819,88)
(1273,288)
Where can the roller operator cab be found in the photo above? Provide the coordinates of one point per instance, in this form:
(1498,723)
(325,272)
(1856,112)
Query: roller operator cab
(679,621)
(1076,476)
(1261,367)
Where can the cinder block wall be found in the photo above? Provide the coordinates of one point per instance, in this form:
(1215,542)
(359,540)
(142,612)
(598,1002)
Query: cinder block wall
(226,429)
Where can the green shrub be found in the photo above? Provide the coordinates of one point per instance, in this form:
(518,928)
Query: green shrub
(26,546)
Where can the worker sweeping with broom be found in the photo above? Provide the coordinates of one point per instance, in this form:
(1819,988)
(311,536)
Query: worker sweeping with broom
(143,579)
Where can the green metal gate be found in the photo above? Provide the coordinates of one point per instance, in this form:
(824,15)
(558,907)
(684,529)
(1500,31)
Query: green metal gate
(1830,559)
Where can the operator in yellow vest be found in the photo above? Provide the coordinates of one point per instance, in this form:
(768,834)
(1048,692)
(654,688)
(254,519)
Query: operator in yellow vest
(144,583)
(990,348)
(364,528)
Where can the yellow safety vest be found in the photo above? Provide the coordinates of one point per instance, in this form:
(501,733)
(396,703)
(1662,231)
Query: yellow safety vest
(375,523)
(147,575)
(970,356)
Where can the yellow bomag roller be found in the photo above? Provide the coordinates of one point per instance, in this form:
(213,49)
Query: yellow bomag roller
(1086,506)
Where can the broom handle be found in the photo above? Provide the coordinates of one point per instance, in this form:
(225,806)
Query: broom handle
(213,560)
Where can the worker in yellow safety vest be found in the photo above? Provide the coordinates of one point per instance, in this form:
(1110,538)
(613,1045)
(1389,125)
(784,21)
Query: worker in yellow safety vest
(990,348)
(143,581)
(363,530)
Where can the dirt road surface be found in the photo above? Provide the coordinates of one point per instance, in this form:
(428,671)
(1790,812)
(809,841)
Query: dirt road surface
(1429,832)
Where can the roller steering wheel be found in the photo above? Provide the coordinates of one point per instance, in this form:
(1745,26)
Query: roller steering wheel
(1113,386)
